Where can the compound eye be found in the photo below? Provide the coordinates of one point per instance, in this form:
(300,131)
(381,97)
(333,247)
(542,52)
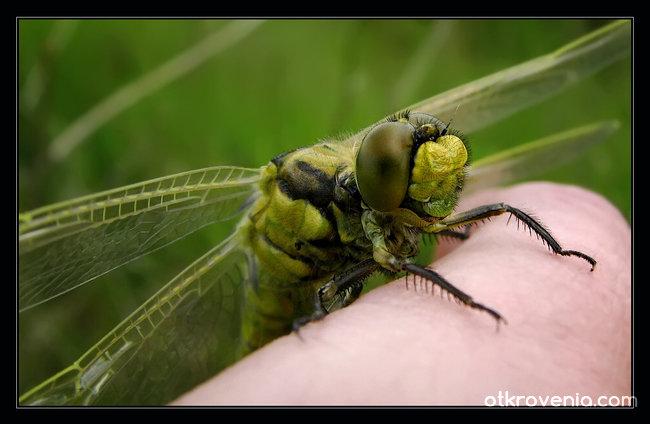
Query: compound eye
(382,165)
(417,119)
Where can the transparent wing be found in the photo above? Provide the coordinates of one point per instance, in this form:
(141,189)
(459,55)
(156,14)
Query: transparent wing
(182,335)
(487,100)
(535,157)
(67,244)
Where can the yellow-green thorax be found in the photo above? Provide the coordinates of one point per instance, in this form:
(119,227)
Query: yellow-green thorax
(303,228)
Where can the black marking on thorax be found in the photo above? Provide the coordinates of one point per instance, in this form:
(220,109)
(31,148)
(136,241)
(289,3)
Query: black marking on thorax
(300,180)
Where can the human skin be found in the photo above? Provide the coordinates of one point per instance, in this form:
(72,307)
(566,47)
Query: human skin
(568,330)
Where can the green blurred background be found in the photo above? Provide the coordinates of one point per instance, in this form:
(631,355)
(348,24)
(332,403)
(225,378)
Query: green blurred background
(287,84)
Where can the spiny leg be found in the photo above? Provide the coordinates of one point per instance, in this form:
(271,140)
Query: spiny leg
(438,279)
(348,285)
(486,211)
(461,235)
(351,281)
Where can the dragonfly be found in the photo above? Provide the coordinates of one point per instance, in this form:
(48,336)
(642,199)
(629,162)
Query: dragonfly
(191,328)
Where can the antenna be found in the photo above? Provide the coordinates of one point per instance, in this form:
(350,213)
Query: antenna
(450,120)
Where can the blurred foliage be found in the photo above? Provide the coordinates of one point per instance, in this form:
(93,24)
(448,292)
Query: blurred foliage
(286,85)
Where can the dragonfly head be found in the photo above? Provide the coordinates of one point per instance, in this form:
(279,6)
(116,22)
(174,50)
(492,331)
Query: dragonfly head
(412,160)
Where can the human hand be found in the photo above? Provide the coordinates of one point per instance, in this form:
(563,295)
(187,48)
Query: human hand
(568,332)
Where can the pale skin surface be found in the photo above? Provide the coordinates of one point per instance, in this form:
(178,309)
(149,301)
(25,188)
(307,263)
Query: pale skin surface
(568,330)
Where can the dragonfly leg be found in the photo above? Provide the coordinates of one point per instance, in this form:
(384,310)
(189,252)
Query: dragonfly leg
(486,211)
(438,279)
(462,235)
(346,286)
